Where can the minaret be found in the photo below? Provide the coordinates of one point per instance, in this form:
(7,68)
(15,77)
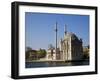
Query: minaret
(66,50)
(65,30)
(56,30)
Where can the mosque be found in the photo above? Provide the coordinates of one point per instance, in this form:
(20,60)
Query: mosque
(69,48)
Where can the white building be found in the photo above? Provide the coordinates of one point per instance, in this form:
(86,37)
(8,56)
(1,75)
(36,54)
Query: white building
(70,49)
(52,55)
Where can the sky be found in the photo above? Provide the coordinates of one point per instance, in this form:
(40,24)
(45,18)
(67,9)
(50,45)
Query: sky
(39,28)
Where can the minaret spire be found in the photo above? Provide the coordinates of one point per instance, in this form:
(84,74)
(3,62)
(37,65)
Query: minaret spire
(65,29)
(56,30)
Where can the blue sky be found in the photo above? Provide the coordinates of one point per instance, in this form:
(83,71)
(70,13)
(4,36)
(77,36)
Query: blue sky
(39,28)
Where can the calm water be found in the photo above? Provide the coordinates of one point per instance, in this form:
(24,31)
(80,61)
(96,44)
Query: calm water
(54,64)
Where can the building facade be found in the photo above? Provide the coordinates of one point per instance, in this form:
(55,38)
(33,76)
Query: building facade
(69,49)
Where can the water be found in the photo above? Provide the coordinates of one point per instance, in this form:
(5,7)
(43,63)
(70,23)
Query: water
(55,64)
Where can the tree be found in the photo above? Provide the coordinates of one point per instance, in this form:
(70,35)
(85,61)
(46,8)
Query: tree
(27,50)
(41,53)
(50,46)
(86,52)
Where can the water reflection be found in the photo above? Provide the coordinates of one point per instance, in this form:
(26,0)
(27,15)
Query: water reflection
(54,64)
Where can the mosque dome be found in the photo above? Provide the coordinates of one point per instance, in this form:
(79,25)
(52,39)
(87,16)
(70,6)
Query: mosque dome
(71,35)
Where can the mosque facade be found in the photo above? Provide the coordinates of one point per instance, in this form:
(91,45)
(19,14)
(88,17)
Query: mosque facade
(69,48)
